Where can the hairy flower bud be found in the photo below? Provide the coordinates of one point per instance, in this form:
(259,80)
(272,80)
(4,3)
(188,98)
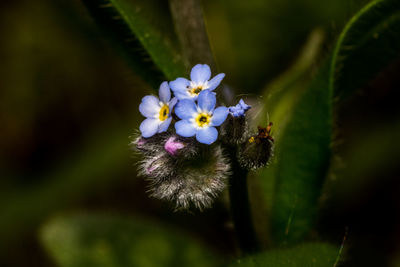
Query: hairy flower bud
(235,130)
(258,149)
(168,142)
(151,145)
(183,171)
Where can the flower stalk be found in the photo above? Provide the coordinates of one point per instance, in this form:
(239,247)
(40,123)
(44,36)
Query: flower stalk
(240,207)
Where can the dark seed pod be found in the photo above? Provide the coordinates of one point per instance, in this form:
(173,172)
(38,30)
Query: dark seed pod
(258,150)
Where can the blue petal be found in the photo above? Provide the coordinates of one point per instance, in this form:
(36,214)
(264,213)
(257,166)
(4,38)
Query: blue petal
(185,128)
(200,73)
(183,95)
(236,111)
(239,113)
(164,125)
(179,85)
(185,109)
(214,82)
(207,135)
(243,105)
(150,106)
(172,103)
(164,92)
(206,100)
(219,116)
(149,127)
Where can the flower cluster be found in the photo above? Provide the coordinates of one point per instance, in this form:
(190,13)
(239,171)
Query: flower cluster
(187,164)
(195,108)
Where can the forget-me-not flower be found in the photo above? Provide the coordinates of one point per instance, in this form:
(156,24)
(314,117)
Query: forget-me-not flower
(201,119)
(200,80)
(240,109)
(157,111)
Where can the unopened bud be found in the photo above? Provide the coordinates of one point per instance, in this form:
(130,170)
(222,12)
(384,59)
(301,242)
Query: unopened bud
(258,149)
(235,129)
(182,171)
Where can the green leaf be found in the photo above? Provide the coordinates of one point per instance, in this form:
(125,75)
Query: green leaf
(368,43)
(303,155)
(143,31)
(284,180)
(305,255)
(105,240)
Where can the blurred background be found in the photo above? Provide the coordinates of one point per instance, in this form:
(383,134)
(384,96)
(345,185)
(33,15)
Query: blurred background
(69,104)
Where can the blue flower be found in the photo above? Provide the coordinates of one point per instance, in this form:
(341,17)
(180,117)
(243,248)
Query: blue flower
(200,119)
(157,111)
(240,109)
(200,80)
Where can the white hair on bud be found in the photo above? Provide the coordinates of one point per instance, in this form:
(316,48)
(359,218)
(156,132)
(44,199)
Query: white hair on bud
(192,178)
(253,155)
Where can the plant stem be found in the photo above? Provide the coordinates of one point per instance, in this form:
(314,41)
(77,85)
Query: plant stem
(240,207)
(191,31)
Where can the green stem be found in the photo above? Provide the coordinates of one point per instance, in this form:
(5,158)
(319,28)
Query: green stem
(191,31)
(240,207)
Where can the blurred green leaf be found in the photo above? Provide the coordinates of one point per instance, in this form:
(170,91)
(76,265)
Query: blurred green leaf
(305,255)
(283,93)
(365,163)
(105,240)
(303,157)
(254,41)
(281,98)
(92,167)
(368,43)
(143,30)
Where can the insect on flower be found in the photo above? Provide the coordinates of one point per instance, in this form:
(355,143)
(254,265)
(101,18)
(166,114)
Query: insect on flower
(157,111)
(200,80)
(201,119)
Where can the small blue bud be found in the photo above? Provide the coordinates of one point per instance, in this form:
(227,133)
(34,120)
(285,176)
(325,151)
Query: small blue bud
(240,109)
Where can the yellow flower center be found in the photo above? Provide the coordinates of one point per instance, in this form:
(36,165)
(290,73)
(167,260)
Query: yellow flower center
(203,119)
(196,90)
(164,111)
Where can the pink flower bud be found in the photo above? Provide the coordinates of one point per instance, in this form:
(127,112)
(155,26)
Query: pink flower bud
(172,146)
